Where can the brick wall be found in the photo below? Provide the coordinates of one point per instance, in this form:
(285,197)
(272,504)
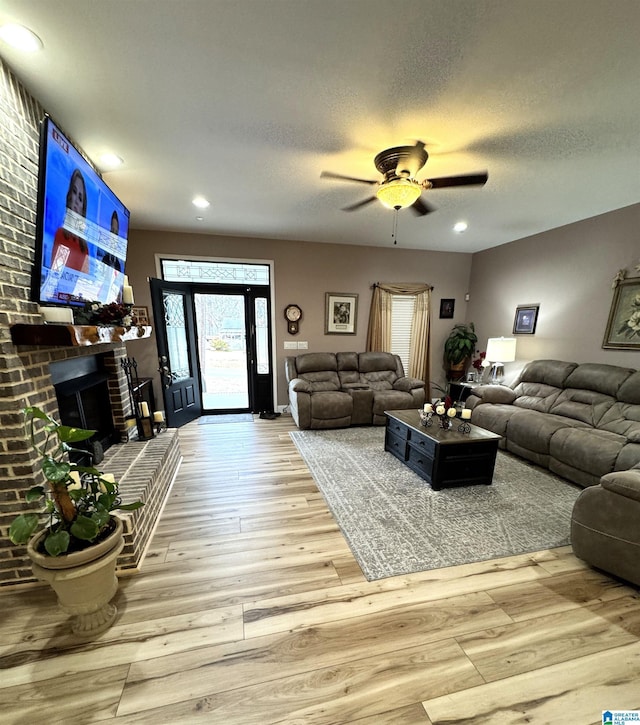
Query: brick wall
(24,371)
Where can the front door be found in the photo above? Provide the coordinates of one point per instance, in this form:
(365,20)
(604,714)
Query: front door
(214,348)
(177,353)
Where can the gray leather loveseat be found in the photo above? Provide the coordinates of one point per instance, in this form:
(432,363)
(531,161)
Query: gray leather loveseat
(583,423)
(337,390)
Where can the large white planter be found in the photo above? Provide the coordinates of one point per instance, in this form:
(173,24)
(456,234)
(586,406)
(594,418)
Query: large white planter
(84,581)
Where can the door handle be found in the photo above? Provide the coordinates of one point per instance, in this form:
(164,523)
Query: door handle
(165,372)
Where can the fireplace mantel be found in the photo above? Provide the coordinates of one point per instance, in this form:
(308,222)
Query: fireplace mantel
(59,335)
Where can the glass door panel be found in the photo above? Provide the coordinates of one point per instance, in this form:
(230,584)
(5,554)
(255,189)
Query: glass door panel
(222,339)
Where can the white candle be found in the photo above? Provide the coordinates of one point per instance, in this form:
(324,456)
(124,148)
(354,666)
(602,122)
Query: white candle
(144,409)
(428,408)
(440,410)
(466,414)
(158,416)
(127,294)
(451,412)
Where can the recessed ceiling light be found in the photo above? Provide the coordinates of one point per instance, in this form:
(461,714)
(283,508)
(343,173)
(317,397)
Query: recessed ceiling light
(199,218)
(20,38)
(111,161)
(460,227)
(200,202)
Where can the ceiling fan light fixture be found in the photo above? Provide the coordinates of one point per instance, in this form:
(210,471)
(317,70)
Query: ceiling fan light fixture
(398,193)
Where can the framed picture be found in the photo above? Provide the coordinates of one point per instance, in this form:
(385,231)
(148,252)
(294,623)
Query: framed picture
(525,320)
(341,314)
(447,306)
(623,327)
(141,314)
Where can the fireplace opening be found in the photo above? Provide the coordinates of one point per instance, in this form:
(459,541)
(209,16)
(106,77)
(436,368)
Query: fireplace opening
(82,391)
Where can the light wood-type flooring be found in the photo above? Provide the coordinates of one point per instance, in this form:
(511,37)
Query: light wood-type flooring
(250,608)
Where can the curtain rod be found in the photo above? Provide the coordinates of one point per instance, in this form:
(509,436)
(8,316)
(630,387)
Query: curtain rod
(377,284)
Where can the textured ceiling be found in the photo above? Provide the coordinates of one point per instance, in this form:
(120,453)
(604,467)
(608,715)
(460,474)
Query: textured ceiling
(247,101)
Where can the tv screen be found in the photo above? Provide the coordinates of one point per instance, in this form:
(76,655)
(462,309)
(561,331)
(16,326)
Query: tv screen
(81,228)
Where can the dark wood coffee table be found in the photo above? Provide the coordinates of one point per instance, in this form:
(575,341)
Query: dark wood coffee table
(444,458)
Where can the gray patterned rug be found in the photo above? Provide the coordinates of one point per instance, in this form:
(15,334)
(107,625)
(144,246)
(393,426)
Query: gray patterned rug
(395,523)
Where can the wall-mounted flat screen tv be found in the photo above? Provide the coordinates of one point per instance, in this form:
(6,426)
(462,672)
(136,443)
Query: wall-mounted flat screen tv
(81,228)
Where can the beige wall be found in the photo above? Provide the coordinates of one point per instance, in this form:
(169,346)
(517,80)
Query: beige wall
(303,273)
(569,272)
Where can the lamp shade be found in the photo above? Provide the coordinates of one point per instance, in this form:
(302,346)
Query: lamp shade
(501,349)
(398,193)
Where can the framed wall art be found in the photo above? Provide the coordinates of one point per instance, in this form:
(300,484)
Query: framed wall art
(341,313)
(525,320)
(447,307)
(141,314)
(623,326)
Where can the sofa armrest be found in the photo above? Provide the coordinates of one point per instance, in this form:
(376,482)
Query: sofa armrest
(625,483)
(408,384)
(495,394)
(298,385)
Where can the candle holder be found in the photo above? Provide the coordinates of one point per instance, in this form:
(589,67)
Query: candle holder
(145,428)
(464,427)
(140,407)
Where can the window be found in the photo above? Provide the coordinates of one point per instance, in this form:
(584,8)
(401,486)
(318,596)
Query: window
(402,307)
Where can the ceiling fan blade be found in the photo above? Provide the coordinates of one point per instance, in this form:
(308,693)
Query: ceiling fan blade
(359,204)
(340,177)
(421,208)
(463,180)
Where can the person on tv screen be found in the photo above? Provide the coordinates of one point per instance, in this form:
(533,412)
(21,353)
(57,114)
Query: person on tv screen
(110,259)
(66,245)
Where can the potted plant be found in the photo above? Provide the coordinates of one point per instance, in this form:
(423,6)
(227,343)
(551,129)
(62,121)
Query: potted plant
(458,349)
(77,549)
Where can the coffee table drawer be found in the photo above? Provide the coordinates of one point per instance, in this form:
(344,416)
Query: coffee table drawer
(419,460)
(396,445)
(397,429)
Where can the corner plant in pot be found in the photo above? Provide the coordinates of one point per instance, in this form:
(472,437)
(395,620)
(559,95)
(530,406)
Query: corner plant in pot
(77,549)
(458,350)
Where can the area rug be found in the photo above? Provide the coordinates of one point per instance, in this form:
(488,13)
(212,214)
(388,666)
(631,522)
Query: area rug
(395,523)
(226,418)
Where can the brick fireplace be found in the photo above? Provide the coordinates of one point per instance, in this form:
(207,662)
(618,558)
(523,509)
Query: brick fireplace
(25,376)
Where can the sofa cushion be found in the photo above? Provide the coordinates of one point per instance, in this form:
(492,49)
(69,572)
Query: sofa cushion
(549,372)
(628,457)
(536,396)
(624,419)
(316,361)
(588,406)
(371,362)
(629,391)
(348,368)
(598,377)
(533,430)
(331,405)
(587,449)
(493,417)
(322,380)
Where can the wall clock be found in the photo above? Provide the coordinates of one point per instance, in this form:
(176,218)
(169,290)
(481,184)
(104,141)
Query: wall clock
(292,314)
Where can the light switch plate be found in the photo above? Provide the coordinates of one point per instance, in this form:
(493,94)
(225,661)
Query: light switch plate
(290,345)
(303,345)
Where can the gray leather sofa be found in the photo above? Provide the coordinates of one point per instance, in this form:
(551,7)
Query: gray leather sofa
(337,390)
(583,423)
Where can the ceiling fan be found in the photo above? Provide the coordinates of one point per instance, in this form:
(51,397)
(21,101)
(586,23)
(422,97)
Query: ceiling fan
(399,188)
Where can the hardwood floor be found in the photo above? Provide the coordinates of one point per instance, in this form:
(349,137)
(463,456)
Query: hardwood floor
(251,609)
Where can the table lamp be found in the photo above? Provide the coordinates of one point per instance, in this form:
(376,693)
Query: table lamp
(499,351)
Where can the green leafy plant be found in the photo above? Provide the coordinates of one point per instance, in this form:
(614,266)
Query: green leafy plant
(77,500)
(461,343)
